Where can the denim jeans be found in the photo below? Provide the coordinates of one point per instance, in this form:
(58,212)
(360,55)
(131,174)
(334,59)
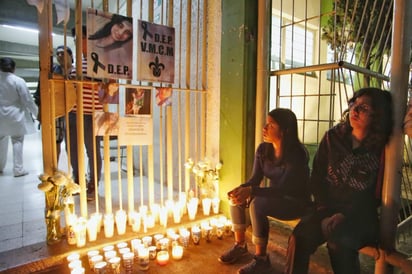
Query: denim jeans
(261,207)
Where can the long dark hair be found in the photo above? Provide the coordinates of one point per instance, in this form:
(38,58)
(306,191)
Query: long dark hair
(107,28)
(288,124)
(382,117)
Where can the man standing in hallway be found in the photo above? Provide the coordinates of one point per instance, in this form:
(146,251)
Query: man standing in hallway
(17,109)
(90,96)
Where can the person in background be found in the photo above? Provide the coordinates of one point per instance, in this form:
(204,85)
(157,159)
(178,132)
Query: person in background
(60,69)
(17,109)
(90,104)
(283,160)
(346,185)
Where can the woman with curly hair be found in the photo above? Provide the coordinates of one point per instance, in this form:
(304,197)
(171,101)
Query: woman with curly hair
(346,185)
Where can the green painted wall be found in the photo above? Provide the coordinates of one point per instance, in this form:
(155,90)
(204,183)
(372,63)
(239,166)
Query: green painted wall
(238,93)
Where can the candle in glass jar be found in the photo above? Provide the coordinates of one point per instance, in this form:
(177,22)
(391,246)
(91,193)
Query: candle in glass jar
(177,252)
(162,257)
(92,229)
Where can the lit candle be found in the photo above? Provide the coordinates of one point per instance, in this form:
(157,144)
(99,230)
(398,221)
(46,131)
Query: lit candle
(215,205)
(184,236)
(94,260)
(177,252)
(192,208)
(162,257)
(206,203)
(72,257)
(108,222)
(163,216)
(92,229)
(99,218)
(177,213)
(169,205)
(78,270)
(147,241)
(110,254)
(121,222)
(136,221)
(80,230)
(149,221)
(75,264)
(143,257)
(90,255)
(196,235)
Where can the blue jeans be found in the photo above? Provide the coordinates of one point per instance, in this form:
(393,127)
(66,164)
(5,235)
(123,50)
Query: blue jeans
(91,151)
(260,207)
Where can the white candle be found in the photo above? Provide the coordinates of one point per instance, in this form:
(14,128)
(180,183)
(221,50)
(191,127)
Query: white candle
(136,221)
(80,230)
(108,222)
(192,208)
(73,256)
(177,213)
(215,205)
(121,222)
(206,203)
(99,218)
(163,216)
(177,252)
(162,257)
(92,229)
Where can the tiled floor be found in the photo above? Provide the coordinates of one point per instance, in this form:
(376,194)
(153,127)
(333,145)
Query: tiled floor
(21,203)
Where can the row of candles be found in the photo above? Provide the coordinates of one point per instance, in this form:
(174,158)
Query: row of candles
(157,247)
(78,227)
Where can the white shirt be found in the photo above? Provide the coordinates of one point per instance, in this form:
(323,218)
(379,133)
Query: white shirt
(17,106)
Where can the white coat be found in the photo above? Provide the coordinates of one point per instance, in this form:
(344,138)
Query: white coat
(17,107)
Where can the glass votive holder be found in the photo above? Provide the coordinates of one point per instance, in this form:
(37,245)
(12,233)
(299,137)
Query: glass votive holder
(152,252)
(219,230)
(94,260)
(72,257)
(207,233)
(155,208)
(177,252)
(157,238)
(121,245)
(121,219)
(128,259)
(164,243)
(100,267)
(124,250)
(108,223)
(78,270)
(108,248)
(184,237)
(90,255)
(149,221)
(162,257)
(80,230)
(143,258)
(147,241)
(196,235)
(75,264)
(135,243)
(114,265)
(110,254)
(206,204)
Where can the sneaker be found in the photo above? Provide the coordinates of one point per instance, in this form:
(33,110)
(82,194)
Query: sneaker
(258,265)
(233,254)
(24,173)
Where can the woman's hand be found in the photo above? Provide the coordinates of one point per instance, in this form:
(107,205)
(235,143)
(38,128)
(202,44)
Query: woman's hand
(239,195)
(329,224)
